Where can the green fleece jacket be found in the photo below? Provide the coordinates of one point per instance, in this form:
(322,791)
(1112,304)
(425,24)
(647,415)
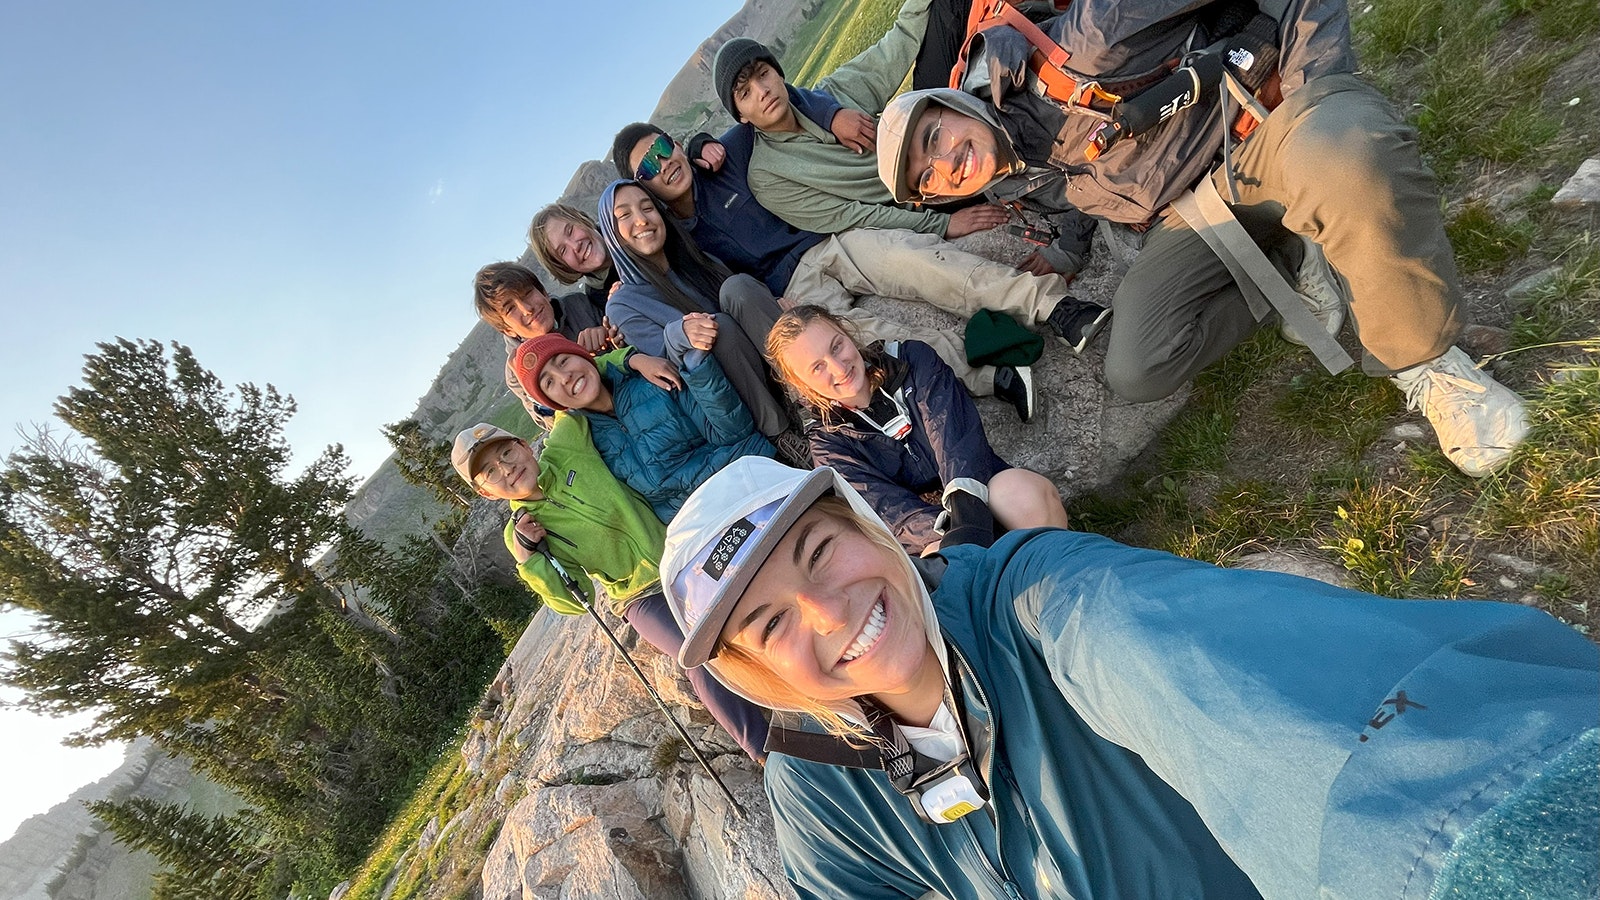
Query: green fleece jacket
(815,183)
(596,525)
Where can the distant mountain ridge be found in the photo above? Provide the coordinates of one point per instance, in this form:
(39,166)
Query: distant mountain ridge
(65,853)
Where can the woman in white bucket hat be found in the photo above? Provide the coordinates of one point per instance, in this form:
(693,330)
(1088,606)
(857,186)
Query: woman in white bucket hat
(1065,716)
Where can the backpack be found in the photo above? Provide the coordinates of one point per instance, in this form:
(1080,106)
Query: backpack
(1135,105)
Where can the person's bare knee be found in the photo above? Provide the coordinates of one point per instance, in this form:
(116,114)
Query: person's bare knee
(1021,498)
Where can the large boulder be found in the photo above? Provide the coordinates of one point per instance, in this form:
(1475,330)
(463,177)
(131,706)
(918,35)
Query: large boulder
(615,806)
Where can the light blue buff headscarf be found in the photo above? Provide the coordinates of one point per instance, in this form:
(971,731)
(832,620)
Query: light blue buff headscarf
(629,268)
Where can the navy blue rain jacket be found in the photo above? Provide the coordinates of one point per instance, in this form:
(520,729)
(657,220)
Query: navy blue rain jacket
(946,441)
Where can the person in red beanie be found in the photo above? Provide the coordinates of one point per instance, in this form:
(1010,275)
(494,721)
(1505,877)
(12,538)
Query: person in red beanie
(661,443)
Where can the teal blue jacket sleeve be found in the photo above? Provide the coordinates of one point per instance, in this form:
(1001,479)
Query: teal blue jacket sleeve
(1334,742)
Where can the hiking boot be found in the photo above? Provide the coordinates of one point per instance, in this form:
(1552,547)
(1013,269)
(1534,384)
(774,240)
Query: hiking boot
(1317,284)
(1014,385)
(793,449)
(1076,322)
(1478,421)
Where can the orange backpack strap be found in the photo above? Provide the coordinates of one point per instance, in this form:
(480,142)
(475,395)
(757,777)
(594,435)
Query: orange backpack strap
(1048,62)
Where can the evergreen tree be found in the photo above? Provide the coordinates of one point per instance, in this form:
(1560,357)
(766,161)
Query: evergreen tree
(425,462)
(215,857)
(151,542)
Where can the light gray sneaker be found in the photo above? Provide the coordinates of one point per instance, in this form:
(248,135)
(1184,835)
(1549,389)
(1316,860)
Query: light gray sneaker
(1478,420)
(1322,290)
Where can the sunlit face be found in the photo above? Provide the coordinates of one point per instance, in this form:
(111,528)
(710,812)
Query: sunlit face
(949,154)
(835,616)
(639,223)
(676,177)
(529,316)
(571,381)
(826,362)
(576,245)
(506,470)
(762,99)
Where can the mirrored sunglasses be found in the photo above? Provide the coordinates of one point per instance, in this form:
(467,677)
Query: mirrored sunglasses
(654,158)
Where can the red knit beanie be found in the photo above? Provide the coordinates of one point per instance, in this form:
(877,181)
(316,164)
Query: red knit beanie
(532,357)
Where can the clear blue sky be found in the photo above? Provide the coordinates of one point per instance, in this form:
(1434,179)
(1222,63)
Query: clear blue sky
(299,191)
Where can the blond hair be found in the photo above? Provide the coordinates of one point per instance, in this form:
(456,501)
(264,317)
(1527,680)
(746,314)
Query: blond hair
(539,242)
(750,675)
(788,328)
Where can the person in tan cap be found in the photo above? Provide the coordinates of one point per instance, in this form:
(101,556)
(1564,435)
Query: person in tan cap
(567,504)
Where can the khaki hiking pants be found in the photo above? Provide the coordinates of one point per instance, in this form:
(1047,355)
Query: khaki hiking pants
(1336,164)
(908,265)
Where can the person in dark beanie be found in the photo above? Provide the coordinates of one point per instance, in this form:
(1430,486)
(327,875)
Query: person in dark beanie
(807,178)
(716,209)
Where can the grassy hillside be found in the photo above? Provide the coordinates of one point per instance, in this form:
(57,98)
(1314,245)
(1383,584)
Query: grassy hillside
(838,31)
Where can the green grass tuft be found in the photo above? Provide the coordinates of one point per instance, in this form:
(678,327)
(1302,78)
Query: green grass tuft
(835,34)
(1485,243)
(666,754)
(1350,407)
(1243,517)
(1548,500)
(1559,19)
(1476,96)
(1566,307)
(1383,537)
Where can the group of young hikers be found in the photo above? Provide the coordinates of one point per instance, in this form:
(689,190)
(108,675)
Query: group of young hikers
(950,693)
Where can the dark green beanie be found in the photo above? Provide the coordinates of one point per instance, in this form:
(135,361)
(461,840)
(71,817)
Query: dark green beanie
(995,339)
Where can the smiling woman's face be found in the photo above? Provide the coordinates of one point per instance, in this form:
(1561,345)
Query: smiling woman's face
(834,615)
(825,362)
(639,223)
(571,381)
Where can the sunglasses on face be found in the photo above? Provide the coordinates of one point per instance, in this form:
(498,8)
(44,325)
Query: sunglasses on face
(656,156)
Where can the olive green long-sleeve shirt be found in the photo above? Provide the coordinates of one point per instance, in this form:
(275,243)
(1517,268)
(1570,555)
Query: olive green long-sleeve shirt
(815,183)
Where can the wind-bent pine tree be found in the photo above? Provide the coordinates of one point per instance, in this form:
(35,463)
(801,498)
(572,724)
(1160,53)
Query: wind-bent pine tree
(150,542)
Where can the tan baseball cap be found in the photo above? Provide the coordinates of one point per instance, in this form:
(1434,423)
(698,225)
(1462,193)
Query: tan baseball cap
(470,441)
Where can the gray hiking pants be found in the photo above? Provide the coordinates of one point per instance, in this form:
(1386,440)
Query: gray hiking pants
(748,312)
(1336,164)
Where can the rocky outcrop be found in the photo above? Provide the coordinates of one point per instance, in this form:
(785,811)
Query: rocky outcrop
(1582,190)
(469,388)
(614,805)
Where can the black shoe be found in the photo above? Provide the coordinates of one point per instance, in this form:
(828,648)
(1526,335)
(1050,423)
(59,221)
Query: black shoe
(1014,384)
(1076,322)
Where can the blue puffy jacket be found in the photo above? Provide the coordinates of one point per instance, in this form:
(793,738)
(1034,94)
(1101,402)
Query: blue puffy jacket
(946,442)
(1158,725)
(664,443)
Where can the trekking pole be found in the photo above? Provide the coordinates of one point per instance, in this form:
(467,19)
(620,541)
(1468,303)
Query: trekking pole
(577,595)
